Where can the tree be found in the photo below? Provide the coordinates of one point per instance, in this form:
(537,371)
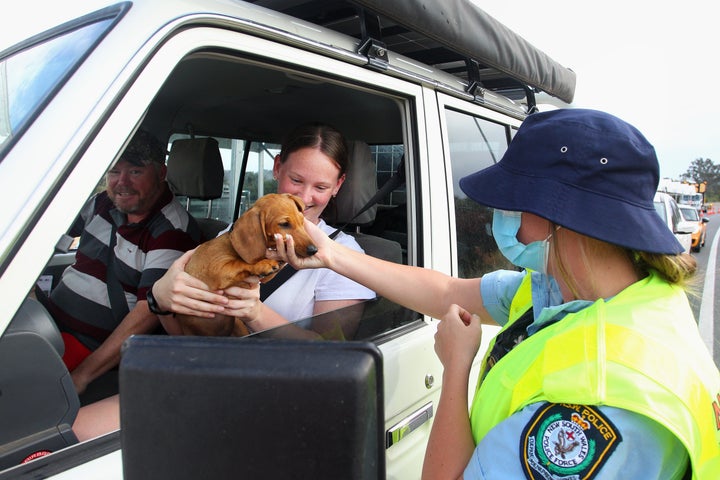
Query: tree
(704,170)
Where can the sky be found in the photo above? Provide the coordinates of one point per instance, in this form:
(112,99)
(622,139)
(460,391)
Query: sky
(654,64)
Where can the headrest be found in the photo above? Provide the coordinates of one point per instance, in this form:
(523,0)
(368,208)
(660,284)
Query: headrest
(359,186)
(195,168)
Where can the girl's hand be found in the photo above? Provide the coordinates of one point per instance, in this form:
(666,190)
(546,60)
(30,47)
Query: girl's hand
(244,302)
(458,338)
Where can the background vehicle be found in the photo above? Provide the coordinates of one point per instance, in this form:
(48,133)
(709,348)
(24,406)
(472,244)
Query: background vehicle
(683,193)
(691,214)
(669,211)
(416,99)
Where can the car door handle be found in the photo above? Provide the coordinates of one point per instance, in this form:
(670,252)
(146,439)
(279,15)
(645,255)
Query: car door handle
(407,425)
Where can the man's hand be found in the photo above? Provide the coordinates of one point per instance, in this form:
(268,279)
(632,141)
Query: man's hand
(180,292)
(80,381)
(139,321)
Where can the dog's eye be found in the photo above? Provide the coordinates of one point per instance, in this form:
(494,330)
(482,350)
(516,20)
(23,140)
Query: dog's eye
(284,224)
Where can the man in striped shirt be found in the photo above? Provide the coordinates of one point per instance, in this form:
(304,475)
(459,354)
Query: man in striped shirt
(129,235)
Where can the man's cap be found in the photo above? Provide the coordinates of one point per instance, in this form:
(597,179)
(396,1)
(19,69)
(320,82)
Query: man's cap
(143,149)
(584,170)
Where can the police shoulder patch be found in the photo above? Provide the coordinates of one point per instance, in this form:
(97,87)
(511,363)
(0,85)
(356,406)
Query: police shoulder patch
(564,441)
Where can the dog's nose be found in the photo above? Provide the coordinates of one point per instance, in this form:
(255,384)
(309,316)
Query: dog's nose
(311,250)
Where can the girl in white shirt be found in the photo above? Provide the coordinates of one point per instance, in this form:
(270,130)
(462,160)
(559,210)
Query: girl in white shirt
(312,166)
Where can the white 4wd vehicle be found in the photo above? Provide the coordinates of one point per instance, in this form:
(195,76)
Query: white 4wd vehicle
(669,211)
(435,90)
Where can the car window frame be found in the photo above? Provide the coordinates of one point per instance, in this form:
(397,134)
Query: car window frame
(445,102)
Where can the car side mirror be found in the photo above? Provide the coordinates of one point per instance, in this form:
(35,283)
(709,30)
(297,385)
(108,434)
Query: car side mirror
(705,219)
(251,408)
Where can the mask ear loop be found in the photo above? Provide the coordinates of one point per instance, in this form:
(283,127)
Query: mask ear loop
(547,242)
(557,227)
(562,271)
(547,254)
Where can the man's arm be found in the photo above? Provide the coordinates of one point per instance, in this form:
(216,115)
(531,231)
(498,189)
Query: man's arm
(138,321)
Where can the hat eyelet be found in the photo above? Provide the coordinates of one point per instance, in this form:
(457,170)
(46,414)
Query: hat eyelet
(603,161)
(563,149)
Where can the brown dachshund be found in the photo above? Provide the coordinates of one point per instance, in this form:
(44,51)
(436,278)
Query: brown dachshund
(230,258)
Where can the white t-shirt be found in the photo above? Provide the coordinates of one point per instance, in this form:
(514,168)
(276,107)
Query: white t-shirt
(295,299)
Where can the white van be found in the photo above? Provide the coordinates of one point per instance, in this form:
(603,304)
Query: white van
(432,90)
(669,211)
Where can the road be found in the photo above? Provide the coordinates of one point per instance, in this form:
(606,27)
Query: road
(705,304)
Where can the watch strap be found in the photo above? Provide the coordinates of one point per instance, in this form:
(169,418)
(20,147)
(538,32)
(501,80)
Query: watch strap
(153,305)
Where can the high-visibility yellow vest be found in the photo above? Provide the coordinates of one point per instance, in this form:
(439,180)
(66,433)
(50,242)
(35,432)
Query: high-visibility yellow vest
(640,351)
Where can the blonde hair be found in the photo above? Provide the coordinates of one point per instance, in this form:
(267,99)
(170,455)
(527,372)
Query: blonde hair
(589,248)
(677,269)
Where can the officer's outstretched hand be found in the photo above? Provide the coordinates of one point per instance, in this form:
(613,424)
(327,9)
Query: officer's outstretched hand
(285,249)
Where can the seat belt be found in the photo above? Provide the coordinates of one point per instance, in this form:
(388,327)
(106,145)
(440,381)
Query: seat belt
(397,179)
(116,293)
(267,289)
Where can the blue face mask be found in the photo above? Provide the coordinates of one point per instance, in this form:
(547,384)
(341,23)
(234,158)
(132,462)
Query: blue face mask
(505,228)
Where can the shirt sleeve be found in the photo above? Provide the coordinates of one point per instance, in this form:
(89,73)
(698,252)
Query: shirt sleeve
(86,213)
(161,253)
(646,449)
(498,289)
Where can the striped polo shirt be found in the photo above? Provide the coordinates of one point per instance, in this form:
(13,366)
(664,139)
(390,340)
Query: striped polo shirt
(143,252)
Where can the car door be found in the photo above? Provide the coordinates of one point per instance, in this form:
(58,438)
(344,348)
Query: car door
(121,99)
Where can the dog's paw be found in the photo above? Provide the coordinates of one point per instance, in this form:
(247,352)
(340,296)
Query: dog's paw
(267,267)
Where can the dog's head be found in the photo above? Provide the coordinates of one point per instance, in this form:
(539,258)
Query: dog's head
(253,233)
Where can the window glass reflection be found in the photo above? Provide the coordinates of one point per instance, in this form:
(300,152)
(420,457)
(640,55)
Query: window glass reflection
(475,144)
(28,78)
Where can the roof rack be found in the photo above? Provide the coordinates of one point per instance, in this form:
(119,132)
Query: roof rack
(454,36)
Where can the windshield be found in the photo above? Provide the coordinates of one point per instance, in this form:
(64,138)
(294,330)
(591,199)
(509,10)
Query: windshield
(660,209)
(690,214)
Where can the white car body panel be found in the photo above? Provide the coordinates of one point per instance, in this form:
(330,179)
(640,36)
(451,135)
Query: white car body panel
(54,166)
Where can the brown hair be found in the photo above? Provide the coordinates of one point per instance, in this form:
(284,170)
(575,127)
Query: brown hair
(321,136)
(329,141)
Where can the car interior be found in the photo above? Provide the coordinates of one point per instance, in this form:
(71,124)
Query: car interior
(224,118)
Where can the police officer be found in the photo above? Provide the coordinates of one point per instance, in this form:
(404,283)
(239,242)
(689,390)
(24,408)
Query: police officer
(599,370)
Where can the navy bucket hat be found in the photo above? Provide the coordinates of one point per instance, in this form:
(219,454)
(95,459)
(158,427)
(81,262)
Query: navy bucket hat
(585,170)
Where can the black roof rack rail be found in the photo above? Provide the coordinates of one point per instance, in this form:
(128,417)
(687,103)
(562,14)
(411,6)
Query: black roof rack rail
(454,36)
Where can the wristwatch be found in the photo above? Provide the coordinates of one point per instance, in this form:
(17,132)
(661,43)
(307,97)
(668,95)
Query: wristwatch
(153,305)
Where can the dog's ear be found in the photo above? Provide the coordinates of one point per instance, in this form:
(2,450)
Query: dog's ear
(298,203)
(248,235)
